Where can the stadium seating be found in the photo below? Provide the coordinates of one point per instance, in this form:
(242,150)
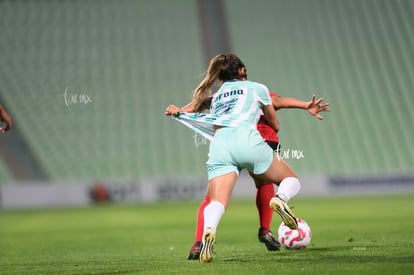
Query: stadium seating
(131,58)
(357,55)
(87,82)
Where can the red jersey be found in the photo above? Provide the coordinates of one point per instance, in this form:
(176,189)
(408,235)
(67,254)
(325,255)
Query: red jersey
(265,130)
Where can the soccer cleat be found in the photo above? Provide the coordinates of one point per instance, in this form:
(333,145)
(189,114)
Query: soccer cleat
(266,237)
(195,251)
(279,205)
(206,253)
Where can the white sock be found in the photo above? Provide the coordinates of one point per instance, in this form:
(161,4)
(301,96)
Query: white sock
(288,188)
(212,215)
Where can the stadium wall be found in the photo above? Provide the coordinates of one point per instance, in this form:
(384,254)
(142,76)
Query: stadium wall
(45,194)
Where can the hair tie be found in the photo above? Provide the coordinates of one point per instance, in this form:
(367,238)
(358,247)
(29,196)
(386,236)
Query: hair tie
(225,58)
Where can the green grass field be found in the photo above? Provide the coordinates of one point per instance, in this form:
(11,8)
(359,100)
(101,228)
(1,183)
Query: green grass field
(367,235)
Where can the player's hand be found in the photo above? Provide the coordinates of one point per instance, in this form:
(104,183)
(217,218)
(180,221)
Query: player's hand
(172,110)
(6,118)
(314,107)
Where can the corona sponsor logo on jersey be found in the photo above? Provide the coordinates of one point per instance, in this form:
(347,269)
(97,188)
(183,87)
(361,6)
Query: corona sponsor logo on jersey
(227,94)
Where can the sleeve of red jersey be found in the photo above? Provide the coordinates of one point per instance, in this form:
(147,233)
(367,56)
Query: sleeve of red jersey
(273,94)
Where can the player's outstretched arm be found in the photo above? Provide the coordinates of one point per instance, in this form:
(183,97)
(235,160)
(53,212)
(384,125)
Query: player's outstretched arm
(314,107)
(173,110)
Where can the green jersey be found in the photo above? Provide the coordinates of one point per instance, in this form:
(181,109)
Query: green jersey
(236,103)
(240,102)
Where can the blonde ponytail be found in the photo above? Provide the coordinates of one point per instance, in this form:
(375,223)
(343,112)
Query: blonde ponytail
(202,93)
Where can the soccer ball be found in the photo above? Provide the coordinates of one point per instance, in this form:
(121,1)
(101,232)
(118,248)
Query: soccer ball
(299,238)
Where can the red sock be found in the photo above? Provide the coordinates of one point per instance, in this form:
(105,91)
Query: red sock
(263,196)
(200,220)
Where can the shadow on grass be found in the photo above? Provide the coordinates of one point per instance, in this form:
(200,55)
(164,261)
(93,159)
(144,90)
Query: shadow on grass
(325,255)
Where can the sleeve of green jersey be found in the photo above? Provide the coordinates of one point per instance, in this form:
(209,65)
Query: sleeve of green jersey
(263,95)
